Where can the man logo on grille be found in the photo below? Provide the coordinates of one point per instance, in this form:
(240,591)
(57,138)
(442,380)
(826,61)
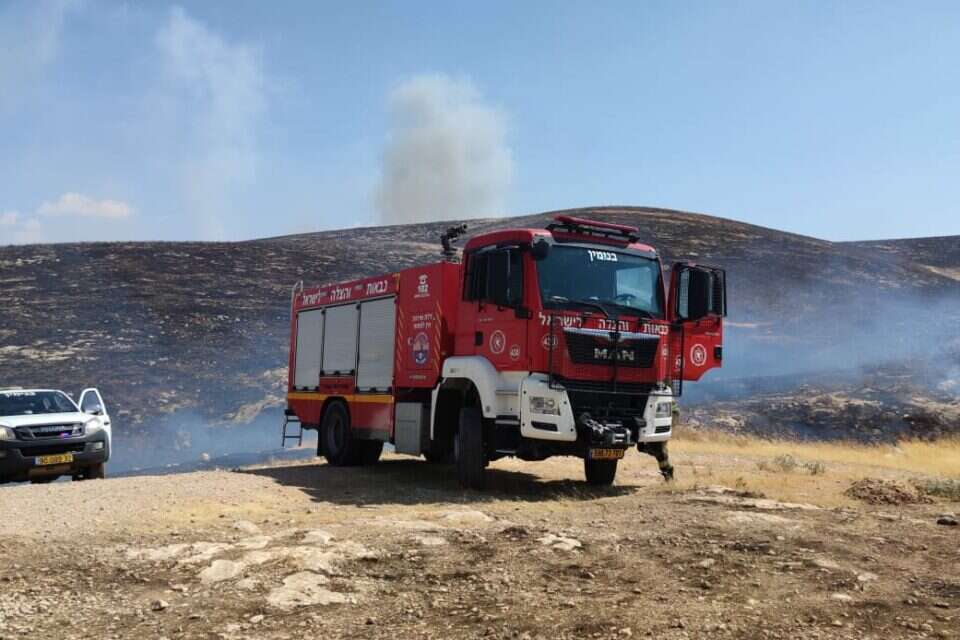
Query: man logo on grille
(623,355)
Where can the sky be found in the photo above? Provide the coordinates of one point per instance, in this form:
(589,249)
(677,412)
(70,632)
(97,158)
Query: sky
(242,119)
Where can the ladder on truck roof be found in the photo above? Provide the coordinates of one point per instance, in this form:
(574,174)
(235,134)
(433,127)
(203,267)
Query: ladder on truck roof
(291,418)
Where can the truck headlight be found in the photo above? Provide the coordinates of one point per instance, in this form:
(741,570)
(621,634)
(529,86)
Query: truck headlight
(6,433)
(544,406)
(92,426)
(664,409)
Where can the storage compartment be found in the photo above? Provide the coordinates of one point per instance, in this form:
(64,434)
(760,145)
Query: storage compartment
(309,341)
(377,332)
(340,340)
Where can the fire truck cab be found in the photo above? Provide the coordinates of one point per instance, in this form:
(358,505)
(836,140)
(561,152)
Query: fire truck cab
(566,340)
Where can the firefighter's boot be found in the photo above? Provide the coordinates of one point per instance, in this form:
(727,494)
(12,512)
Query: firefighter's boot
(659,451)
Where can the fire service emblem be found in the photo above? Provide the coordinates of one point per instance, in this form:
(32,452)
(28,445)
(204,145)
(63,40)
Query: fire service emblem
(498,342)
(421,348)
(698,355)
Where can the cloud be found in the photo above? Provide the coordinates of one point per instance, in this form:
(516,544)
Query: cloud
(73,212)
(15,228)
(218,91)
(77,204)
(446,155)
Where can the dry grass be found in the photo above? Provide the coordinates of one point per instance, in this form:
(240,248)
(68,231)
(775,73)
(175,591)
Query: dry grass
(813,472)
(940,458)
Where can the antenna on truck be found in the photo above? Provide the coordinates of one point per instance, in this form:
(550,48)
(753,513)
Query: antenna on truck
(448,239)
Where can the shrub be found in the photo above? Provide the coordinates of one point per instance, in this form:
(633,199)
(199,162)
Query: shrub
(786,463)
(939,487)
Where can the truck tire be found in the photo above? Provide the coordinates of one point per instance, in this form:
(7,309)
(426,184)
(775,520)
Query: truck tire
(341,447)
(600,472)
(370,451)
(436,457)
(469,449)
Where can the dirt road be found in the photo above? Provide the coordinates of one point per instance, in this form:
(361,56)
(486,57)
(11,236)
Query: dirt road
(394,551)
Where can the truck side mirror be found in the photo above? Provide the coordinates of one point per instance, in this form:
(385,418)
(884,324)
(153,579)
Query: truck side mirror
(540,250)
(701,292)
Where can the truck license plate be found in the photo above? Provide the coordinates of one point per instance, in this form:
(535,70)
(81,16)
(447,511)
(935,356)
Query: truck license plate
(62,458)
(606,454)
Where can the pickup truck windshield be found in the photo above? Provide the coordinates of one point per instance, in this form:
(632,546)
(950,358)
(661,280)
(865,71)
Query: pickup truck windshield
(572,277)
(25,403)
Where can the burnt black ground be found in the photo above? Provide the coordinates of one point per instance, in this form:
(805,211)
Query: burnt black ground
(184,337)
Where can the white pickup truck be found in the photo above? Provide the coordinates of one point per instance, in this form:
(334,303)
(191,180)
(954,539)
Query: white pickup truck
(44,434)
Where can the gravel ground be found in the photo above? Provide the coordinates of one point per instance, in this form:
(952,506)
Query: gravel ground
(395,551)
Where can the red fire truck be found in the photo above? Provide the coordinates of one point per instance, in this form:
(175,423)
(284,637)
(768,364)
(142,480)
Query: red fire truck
(538,342)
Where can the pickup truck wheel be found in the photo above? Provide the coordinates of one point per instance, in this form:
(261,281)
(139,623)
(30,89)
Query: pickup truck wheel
(600,472)
(340,447)
(469,449)
(95,472)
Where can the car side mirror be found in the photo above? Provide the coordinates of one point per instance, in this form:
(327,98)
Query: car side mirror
(95,410)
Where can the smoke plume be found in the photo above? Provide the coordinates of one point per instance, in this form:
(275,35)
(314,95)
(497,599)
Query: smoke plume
(446,156)
(218,90)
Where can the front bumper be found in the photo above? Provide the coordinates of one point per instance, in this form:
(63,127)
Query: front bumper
(571,424)
(18,458)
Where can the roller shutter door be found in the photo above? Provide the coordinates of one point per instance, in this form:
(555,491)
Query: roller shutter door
(340,340)
(309,339)
(377,328)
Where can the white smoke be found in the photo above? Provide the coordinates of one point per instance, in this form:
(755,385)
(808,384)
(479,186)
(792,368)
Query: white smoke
(30,33)
(221,91)
(446,156)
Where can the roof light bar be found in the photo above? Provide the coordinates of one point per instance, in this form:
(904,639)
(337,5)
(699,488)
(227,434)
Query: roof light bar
(583,226)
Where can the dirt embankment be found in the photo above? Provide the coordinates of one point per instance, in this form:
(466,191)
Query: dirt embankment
(395,551)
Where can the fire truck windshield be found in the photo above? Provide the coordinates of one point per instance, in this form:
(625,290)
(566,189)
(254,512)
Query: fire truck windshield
(578,277)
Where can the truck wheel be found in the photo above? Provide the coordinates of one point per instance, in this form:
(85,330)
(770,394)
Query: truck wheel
(600,472)
(436,457)
(370,451)
(340,447)
(469,450)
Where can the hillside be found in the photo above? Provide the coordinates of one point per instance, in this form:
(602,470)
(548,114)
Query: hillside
(199,330)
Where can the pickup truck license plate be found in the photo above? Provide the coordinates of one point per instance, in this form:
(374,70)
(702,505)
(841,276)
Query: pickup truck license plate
(62,458)
(606,454)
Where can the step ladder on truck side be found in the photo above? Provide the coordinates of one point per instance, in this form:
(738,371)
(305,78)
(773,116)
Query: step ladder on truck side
(289,420)
(289,415)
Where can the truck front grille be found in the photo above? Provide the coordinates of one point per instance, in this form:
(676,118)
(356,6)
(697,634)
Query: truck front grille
(50,431)
(605,386)
(52,449)
(599,348)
